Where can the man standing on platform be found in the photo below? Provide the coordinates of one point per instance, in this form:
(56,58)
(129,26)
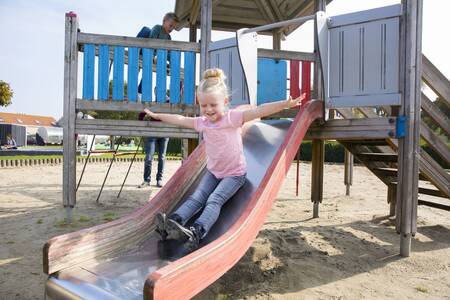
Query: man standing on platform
(163,31)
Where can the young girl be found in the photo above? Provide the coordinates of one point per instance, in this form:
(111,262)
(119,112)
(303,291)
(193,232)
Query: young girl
(226,166)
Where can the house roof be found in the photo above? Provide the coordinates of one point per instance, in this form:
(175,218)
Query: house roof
(26,120)
(231,15)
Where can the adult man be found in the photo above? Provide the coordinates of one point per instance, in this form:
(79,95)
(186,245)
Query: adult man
(163,31)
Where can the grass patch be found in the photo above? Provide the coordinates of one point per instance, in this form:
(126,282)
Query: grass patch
(84,218)
(421,289)
(10,242)
(18,157)
(65,224)
(39,221)
(109,216)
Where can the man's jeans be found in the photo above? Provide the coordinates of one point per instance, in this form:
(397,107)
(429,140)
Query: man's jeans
(149,146)
(212,193)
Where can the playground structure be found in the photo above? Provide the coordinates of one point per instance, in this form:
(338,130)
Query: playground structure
(343,81)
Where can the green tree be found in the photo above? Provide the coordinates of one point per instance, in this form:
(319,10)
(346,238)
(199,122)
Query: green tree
(6,93)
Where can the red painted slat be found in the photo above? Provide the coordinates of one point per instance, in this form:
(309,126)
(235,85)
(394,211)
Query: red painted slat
(294,78)
(306,80)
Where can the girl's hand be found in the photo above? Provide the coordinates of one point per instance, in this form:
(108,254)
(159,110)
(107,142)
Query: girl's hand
(297,101)
(151,114)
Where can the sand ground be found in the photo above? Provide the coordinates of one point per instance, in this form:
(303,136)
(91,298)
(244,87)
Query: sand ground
(350,252)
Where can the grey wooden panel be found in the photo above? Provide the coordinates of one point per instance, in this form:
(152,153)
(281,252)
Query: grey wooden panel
(366,15)
(224,55)
(364,63)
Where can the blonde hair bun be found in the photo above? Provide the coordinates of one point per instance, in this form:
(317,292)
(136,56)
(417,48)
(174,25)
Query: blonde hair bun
(214,74)
(213,82)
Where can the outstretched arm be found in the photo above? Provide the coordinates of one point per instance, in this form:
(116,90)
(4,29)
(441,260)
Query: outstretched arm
(172,119)
(271,108)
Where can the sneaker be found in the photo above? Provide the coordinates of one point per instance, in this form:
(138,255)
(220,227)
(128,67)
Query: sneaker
(144,184)
(161,225)
(177,231)
(159,183)
(197,232)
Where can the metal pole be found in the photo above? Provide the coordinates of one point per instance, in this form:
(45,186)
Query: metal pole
(280,24)
(348,172)
(85,163)
(297,179)
(112,160)
(129,168)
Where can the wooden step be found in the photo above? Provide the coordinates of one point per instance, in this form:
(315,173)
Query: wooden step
(378,142)
(392,172)
(427,191)
(434,204)
(385,157)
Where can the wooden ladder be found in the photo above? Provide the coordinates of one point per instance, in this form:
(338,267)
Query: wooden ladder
(380,156)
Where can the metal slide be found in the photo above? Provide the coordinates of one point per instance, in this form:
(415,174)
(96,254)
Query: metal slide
(150,269)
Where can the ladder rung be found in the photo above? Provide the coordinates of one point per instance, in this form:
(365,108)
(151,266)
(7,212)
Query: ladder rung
(385,157)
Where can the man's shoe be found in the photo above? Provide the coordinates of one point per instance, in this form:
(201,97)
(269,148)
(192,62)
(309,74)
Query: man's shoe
(161,225)
(177,231)
(144,184)
(159,183)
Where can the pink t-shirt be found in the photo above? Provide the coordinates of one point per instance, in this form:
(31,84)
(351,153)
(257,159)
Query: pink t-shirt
(224,150)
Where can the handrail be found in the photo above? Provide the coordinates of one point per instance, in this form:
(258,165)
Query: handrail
(126,41)
(435,114)
(435,79)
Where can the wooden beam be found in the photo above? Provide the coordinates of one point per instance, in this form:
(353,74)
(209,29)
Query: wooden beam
(70,93)
(348,171)
(285,54)
(435,79)
(132,128)
(376,128)
(125,41)
(434,204)
(385,157)
(410,84)
(318,156)
(435,113)
(182,109)
(435,142)
(206,28)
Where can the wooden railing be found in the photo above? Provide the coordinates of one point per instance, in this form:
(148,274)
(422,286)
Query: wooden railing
(138,54)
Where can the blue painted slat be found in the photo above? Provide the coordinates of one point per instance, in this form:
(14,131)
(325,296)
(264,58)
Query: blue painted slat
(103,72)
(175,57)
(133,72)
(88,71)
(147,74)
(189,77)
(272,80)
(161,75)
(118,85)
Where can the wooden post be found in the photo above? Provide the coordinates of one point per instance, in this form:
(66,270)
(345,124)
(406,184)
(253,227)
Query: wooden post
(193,33)
(317,175)
(206,27)
(318,146)
(410,81)
(391,198)
(70,93)
(188,145)
(276,40)
(348,172)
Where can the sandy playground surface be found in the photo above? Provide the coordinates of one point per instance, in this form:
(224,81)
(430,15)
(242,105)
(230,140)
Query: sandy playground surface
(350,252)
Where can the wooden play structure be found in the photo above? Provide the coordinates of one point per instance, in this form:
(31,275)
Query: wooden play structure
(364,63)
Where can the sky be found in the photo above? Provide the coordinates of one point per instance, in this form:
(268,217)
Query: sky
(32,39)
